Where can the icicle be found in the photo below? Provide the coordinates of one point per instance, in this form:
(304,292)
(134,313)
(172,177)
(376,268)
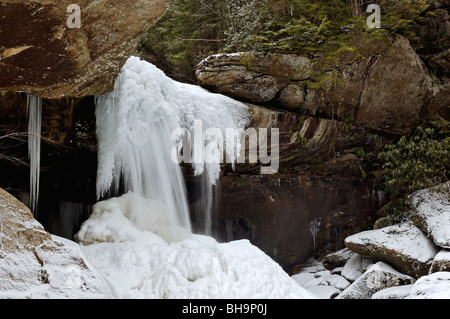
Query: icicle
(314,227)
(34,110)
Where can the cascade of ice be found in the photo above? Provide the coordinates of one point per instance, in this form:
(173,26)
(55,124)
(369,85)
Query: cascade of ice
(135,125)
(34,111)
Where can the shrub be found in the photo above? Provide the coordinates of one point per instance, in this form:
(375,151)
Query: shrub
(415,162)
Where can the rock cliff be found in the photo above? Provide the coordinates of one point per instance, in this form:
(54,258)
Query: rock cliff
(40,53)
(329,181)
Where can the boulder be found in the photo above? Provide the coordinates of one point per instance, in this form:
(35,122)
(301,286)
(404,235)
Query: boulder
(42,54)
(378,277)
(433,286)
(33,264)
(382,91)
(337,259)
(256,77)
(396,89)
(431,213)
(441,262)
(321,282)
(355,267)
(397,292)
(404,246)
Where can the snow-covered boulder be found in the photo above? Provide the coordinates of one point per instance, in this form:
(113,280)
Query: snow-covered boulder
(320,281)
(434,286)
(403,246)
(378,277)
(355,267)
(441,262)
(431,213)
(33,264)
(337,259)
(398,292)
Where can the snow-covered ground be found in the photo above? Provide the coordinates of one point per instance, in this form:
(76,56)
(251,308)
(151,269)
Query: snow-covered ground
(419,251)
(139,261)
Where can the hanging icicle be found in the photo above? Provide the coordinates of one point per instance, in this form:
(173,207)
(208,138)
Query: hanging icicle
(34,111)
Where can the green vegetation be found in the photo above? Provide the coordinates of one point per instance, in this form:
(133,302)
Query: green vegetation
(332,29)
(418,161)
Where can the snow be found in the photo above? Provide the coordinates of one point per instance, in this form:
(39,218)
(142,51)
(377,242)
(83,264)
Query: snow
(139,261)
(376,278)
(434,286)
(405,239)
(320,282)
(352,270)
(140,127)
(50,271)
(398,292)
(220,55)
(433,208)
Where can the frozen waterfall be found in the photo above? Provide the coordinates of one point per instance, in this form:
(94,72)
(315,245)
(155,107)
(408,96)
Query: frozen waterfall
(34,111)
(135,128)
(141,242)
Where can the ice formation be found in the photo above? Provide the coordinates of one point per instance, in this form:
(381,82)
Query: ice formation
(141,242)
(130,242)
(135,125)
(34,110)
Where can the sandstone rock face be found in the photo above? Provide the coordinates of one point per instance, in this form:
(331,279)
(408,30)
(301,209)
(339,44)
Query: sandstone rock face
(42,55)
(256,78)
(396,88)
(317,198)
(34,265)
(382,92)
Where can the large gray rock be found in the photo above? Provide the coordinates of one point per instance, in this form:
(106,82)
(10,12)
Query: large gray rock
(378,277)
(441,262)
(403,246)
(256,77)
(35,265)
(434,286)
(396,89)
(431,212)
(383,91)
(397,292)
